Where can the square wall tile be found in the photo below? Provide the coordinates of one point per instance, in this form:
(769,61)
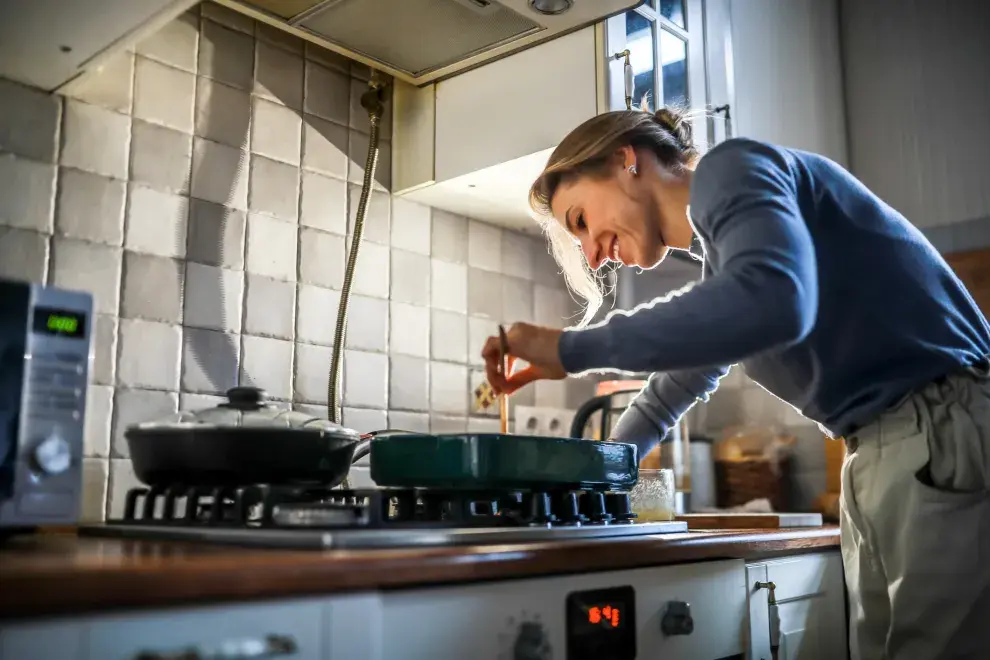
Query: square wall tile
(325,147)
(174,44)
(220,174)
(271,247)
(223,113)
(409,383)
(209,361)
(448,388)
(29,121)
(327,93)
(448,336)
(110,87)
(132,407)
(269,307)
(23,254)
(316,314)
(363,420)
(552,307)
(546,270)
(161,157)
(27,194)
(226,55)
(365,379)
(409,330)
(357,152)
(411,278)
(279,76)
(274,189)
(483,425)
(163,95)
(152,288)
(199,401)
(327,58)
(551,393)
(312,367)
(410,226)
(451,290)
(449,239)
(479,330)
(104,366)
(518,255)
(267,364)
(484,246)
(149,355)
(282,40)
(484,293)
(156,222)
(96,435)
(409,421)
(475,379)
(367,324)
(448,424)
(95,475)
(371,277)
(376,217)
(215,235)
(226,17)
(90,207)
(88,267)
(324,203)
(95,139)
(276,132)
(321,258)
(122,479)
(213,298)
(517,300)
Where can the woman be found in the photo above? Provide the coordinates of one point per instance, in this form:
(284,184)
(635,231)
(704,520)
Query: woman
(828,298)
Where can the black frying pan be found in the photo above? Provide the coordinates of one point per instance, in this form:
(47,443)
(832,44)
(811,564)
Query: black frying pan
(271,447)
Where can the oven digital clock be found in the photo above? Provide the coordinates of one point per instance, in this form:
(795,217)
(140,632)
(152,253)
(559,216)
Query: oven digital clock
(601,624)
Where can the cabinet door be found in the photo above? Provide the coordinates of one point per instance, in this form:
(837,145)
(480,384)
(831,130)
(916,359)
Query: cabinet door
(810,618)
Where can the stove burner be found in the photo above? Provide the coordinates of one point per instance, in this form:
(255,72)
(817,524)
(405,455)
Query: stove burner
(265,506)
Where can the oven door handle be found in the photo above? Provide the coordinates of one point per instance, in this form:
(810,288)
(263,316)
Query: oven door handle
(251,648)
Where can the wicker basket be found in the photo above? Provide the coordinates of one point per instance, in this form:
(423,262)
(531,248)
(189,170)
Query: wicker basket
(740,481)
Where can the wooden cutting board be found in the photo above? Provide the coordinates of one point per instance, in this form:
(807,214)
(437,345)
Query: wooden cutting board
(750,520)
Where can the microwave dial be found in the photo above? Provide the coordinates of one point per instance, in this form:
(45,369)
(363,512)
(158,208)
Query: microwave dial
(53,455)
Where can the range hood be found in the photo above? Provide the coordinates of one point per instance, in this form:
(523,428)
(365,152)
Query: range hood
(423,41)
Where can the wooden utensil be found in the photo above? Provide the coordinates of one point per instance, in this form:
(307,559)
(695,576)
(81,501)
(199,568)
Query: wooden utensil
(503,400)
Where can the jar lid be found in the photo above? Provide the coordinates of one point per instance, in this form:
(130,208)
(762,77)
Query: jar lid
(246,408)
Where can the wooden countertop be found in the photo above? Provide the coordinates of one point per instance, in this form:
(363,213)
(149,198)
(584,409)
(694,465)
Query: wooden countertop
(59,574)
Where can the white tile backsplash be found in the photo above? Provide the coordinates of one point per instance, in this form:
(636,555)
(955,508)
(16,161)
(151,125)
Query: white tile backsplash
(204,189)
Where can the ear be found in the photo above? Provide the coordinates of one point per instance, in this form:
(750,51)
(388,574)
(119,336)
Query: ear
(625,158)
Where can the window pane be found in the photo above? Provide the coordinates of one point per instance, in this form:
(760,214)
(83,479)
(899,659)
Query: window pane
(673,11)
(640,42)
(673,63)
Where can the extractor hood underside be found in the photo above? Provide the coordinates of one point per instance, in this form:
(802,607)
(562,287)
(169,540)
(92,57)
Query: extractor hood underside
(421,41)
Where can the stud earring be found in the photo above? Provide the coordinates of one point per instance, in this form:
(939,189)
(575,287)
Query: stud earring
(632,170)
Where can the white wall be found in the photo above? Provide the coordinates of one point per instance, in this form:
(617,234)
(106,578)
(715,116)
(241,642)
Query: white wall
(788,74)
(917,78)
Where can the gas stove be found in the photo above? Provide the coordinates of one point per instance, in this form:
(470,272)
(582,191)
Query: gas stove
(319,518)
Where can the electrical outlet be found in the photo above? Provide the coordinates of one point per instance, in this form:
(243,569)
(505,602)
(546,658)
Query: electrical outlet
(528,421)
(544,422)
(558,422)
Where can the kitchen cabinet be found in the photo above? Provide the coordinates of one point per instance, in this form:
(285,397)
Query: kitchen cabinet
(808,620)
(474,143)
(48,43)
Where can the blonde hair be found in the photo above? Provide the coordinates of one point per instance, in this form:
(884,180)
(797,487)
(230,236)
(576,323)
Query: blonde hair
(589,150)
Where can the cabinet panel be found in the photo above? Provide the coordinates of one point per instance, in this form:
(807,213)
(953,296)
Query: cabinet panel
(246,628)
(43,641)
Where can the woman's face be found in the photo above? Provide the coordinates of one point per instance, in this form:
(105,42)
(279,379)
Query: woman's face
(614,217)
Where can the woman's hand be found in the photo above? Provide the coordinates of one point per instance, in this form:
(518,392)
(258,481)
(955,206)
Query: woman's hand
(534,344)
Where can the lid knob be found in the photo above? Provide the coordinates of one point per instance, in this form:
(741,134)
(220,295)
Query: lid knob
(246,398)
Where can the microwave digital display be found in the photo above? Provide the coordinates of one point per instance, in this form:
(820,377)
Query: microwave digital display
(59,323)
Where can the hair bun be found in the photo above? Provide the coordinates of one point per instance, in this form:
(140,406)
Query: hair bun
(675,123)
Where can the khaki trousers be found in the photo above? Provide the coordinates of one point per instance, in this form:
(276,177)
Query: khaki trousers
(915,521)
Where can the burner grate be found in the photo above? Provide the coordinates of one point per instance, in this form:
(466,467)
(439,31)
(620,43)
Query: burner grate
(265,506)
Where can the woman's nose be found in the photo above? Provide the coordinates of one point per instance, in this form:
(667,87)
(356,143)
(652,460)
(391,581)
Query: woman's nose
(593,253)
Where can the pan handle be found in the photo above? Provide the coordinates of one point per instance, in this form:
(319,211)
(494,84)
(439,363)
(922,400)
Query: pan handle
(364,445)
(362,449)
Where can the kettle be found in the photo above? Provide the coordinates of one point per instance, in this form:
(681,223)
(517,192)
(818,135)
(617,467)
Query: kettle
(610,401)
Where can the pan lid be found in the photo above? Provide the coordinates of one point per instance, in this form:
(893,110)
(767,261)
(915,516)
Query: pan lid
(247,408)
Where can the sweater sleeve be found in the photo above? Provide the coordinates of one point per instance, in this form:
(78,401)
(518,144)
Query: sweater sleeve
(664,400)
(763,295)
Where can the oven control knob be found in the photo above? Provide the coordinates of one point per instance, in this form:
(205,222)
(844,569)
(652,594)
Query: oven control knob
(53,455)
(531,642)
(677,619)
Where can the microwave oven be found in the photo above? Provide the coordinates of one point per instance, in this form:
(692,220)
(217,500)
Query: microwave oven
(45,353)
